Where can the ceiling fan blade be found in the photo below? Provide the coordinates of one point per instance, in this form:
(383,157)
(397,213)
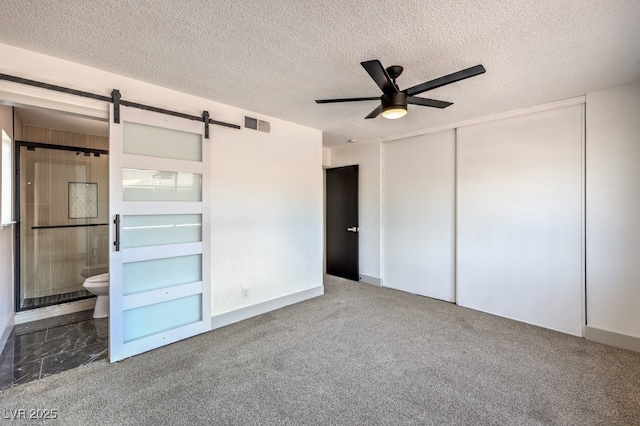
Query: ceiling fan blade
(330,101)
(380,76)
(375,112)
(447,79)
(428,102)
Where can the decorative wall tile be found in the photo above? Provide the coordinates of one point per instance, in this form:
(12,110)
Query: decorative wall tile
(83,200)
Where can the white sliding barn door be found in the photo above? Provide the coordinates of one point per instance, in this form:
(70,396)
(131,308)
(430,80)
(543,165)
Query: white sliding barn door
(519,234)
(159,270)
(419,215)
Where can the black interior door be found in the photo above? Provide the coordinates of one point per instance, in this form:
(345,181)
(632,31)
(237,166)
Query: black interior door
(342,222)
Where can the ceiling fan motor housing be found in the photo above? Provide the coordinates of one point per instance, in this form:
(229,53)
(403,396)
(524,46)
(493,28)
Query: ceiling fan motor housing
(394,100)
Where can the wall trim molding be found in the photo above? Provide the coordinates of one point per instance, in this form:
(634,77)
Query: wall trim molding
(6,330)
(484,119)
(611,338)
(55,310)
(371,280)
(227,318)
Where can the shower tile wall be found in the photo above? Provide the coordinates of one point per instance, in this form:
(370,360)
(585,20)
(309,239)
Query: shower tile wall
(60,137)
(52,259)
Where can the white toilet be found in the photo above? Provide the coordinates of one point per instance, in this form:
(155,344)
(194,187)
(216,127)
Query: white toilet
(99,285)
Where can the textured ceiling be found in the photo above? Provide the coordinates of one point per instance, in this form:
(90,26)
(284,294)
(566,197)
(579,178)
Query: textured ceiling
(276,57)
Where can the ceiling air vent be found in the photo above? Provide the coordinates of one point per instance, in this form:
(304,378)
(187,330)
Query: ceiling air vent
(255,124)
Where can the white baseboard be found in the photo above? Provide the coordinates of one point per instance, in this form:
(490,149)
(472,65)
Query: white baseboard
(371,280)
(55,311)
(6,330)
(611,338)
(227,318)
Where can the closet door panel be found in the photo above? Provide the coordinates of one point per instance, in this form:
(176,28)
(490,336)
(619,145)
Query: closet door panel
(419,215)
(519,231)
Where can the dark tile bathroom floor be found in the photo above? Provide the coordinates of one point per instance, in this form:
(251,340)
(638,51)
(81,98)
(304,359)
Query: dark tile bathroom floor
(41,348)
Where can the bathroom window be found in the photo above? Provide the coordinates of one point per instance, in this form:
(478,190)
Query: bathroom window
(5,180)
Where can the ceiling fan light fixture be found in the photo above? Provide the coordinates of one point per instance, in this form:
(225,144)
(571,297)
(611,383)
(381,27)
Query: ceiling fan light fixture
(394,112)
(394,105)
(393,102)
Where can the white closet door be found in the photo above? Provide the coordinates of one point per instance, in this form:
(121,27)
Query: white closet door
(519,234)
(613,206)
(159,266)
(419,215)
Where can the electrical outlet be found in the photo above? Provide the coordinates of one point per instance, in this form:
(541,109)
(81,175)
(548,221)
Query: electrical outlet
(245,293)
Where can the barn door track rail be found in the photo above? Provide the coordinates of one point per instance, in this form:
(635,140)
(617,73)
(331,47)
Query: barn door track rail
(116,100)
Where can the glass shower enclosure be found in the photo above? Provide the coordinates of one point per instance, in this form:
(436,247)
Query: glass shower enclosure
(63,234)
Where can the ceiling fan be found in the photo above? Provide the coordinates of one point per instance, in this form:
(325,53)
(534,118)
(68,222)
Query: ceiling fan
(393,102)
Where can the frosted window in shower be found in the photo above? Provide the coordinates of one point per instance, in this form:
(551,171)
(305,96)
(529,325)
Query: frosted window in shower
(151,230)
(160,142)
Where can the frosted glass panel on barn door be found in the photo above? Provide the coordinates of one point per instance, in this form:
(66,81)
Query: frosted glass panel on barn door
(159,284)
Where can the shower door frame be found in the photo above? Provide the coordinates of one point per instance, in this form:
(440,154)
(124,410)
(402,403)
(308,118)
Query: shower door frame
(16,212)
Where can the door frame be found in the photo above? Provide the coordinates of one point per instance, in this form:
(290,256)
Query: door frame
(17,240)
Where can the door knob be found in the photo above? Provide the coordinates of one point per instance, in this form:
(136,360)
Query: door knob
(353,229)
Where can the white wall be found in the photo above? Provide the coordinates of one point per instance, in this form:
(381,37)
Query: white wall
(326,157)
(267,213)
(519,235)
(419,214)
(612,237)
(367,156)
(613,210)
(6,248)
(267,188)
